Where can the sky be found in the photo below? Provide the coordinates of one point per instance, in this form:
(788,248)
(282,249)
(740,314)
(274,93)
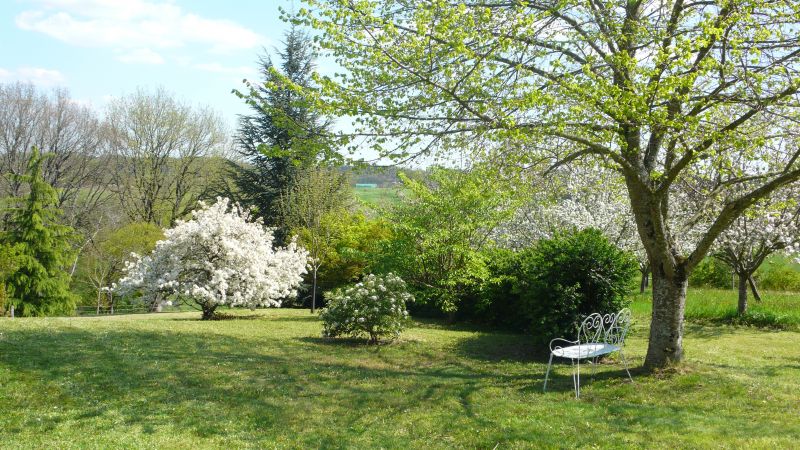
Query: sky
(101,49)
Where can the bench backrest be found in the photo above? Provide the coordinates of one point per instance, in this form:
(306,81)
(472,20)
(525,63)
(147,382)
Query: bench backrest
(609,328)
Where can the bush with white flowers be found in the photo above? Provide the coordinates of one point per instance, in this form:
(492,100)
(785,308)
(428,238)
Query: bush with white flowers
(375,307)
(220,257)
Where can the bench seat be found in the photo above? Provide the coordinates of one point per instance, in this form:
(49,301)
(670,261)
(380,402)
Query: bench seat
(590,350)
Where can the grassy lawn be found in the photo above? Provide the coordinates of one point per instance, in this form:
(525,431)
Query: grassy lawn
(377,197)
(780,310)
(267,380)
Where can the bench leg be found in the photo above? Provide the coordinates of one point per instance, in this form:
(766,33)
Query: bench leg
(549,363)
(625,363)
(594,365)
(576,376)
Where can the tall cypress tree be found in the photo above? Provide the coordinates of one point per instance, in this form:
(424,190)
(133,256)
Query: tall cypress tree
(284,134)
(40,284)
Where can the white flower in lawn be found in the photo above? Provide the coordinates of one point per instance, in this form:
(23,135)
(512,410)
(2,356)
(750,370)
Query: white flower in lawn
(219,257)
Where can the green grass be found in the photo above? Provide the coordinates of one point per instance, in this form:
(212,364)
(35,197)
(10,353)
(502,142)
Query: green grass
(779,310)
(268,380)
(377,197)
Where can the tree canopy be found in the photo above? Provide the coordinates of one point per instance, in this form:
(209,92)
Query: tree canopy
(284,135)
(663,92)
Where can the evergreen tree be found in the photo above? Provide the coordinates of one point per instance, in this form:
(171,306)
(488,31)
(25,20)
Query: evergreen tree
(39,286)
(9,257)
(284,135)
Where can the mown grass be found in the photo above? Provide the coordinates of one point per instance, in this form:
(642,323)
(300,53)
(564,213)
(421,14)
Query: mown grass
(268,380)
(780,310)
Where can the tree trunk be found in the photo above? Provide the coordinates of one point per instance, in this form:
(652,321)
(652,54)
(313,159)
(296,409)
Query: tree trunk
(752,282)
(666,328)
(645,281)
(743,293)
(314,293)
(208,311)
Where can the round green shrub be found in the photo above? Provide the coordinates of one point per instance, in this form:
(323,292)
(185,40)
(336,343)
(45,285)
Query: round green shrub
(779,273)
(711,272)
(571,276)
(375,307)
(547,289)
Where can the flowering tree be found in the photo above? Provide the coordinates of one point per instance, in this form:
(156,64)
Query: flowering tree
(773,225)
(219,257)
(592,197)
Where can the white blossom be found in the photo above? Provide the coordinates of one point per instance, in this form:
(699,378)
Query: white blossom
(597,198)
(770,226)
(375,307)
(219,257)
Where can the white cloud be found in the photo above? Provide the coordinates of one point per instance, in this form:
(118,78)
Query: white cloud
(134,26)
(35,75)
(141,56)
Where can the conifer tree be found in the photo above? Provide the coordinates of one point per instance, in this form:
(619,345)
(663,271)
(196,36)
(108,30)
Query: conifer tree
(40,284)
(284,135)
(8,265)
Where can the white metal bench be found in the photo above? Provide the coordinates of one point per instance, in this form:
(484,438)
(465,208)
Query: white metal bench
(597,336)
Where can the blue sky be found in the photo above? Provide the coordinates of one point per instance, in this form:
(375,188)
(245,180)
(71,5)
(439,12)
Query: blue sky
(99,49)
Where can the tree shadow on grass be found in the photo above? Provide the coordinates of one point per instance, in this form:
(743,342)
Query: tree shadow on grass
(717,328)
(195,381)
(202,384)
(220,317)
(427,323)
(560,379)
(500,347)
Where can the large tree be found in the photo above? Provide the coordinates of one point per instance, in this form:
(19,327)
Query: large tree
(39,285)
(70,132)
(162,147)
(284,135)
(656,90)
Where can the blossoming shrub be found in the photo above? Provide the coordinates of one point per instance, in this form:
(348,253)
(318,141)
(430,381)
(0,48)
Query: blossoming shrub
(375,307)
